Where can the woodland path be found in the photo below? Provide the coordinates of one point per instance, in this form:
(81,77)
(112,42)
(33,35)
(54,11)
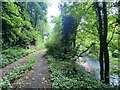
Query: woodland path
(37,78)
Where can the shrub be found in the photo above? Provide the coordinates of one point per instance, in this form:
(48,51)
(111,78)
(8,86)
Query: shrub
(12,54)
(67,75)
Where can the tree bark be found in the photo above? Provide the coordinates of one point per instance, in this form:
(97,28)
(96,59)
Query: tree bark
(106,54)
(101,41)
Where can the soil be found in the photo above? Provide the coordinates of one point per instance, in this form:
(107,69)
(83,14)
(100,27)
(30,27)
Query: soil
(37,78)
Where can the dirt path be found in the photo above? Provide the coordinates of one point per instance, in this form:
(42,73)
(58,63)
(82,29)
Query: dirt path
(4,70)
(37,78)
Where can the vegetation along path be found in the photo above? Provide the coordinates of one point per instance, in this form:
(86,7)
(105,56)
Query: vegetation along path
(36,78)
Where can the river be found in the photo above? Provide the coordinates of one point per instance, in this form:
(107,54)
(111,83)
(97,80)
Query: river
(93,64)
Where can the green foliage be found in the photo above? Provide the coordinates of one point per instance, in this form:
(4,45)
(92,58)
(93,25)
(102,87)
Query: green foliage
(68,75)
(53,44)
(87,29)
(114,66)
(24,23)
(20,23)
(12,54)
(16,73)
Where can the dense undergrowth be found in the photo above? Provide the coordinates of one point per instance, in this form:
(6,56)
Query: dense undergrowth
(67,75)
(12,54)
(13,75)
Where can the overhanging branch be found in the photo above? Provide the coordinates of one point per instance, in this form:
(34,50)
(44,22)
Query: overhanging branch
(86,49)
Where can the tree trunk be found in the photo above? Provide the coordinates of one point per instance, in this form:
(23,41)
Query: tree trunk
(101,41)
(106,54)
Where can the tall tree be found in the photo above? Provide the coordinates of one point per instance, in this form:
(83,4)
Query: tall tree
(23,22)
(101,40)
(70,24)
(106,54)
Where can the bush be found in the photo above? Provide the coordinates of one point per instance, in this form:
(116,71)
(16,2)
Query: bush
(12,54)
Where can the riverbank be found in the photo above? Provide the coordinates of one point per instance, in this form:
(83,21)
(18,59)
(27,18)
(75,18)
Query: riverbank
(92,66)
(68,75)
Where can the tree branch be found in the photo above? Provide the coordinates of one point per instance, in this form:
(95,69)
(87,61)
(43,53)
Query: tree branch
(86,49)
(111,37)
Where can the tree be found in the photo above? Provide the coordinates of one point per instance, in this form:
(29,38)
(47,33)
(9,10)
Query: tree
(101,40)
(22,22)
(68,31)
(103,43)
(70,24)
(106,54)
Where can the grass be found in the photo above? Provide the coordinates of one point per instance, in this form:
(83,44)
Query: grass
(67,75)
(12,54)
(17,72)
